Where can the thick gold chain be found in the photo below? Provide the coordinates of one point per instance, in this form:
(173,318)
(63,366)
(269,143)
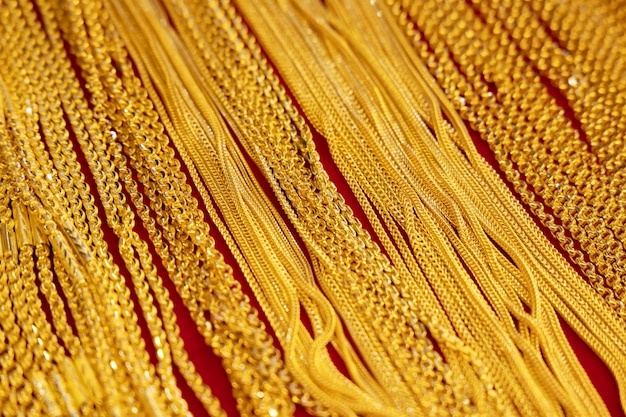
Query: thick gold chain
(584,64)
(97,326)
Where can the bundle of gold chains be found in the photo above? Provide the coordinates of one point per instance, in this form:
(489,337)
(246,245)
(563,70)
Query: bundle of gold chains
(494,61)
(133,132)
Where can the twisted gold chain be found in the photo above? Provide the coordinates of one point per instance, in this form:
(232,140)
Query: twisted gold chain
(138,392)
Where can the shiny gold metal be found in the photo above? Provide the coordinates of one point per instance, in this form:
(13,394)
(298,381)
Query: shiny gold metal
(456,312)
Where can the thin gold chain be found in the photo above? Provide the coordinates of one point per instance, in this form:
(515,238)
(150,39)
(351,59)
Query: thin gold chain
(501,135)
(201,40)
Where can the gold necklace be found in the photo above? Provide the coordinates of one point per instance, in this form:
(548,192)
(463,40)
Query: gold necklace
(464,267)
(584,64)
(224,299)
(300,200)
(74,259)
(471,103)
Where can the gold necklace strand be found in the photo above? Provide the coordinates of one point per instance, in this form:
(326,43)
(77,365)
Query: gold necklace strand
(63,249)
(23,319)
(315,71)
(326,117)
(71,170)
(19,362)
(271,155)
(61,244)
(161,217)
(34,328)
(164,369)
(589,319)
(553,322)
(596,226)
(319,93)
(584,68)
(594,88)
(31,359)
(546,149)
(210,174)
(159,337)
(233,209)
(264,391)
(136,338)
(185,372)
(268,379)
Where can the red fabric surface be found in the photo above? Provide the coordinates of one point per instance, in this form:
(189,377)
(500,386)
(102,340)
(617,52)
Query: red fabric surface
(209,364)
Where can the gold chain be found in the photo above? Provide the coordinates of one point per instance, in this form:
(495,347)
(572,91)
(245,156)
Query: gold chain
(192,283)
(583,64)
(72,255)
(284,157)
(270,271)
(504,121)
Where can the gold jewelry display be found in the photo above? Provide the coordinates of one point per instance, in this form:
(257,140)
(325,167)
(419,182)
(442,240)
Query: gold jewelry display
(127,127)
(370,147)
